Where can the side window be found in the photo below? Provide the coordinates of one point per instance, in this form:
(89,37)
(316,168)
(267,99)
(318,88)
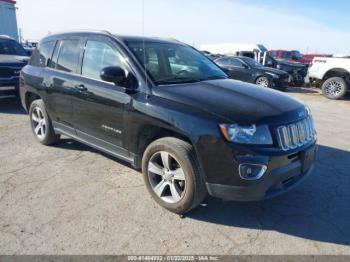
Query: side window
(274,54)
(68,56)
(53,62)
(97,56)
(235,62)
(223,62)
(45,52)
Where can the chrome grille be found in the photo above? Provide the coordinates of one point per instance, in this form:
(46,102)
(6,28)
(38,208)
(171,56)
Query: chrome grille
(297,134)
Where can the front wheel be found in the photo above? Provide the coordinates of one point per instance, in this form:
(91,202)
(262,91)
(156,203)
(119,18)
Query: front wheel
(262,81)
(334,88)
(171,175)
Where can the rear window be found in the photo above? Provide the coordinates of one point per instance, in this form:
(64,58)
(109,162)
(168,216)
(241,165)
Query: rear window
(11,47)
(42,56)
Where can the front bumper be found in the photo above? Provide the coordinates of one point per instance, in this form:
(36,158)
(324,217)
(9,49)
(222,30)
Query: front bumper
(274,182)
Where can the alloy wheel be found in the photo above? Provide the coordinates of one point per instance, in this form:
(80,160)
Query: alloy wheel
(166,177)
(333,88)
(262,81)
(38,123)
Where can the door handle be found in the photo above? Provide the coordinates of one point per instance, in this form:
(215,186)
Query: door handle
(81,88)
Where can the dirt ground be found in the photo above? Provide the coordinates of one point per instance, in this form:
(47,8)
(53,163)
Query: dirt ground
(71,199)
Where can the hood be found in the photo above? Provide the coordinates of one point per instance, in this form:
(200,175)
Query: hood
(13,59)
(273,70)
(235,102)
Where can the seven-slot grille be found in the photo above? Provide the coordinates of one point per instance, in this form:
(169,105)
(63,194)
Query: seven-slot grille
(297,134)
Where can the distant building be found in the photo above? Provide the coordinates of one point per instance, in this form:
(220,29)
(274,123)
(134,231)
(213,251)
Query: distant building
(8,20)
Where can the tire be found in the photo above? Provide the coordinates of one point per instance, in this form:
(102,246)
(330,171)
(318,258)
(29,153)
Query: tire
(41,123)
(263,81)
(334,88)
(180,155)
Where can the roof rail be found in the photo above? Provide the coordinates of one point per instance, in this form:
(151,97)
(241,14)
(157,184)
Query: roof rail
(82,31)
(5,36)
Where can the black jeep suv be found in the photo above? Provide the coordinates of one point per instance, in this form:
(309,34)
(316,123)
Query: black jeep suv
(162,106)
(12,58)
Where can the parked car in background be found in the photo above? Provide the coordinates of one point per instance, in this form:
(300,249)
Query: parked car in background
(12,58)
(210,55)
(232,48)
(30,45)
(248,70)
(332,75)
(165,108)
(296,71)
(294,56)
(307,58)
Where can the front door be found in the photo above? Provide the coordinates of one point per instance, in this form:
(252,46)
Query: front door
(239,70)
(99,106)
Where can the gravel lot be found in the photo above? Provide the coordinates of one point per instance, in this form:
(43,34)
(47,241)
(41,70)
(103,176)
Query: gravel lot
(71,199)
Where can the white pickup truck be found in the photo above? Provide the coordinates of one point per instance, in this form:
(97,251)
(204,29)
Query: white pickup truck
(332,74)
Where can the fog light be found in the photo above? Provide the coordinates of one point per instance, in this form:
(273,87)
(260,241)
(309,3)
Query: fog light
(251,171)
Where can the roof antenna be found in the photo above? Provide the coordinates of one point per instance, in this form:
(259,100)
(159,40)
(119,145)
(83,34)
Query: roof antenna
(143,39)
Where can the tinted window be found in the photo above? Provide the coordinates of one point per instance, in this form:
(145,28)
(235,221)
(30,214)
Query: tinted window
(286,55)
(11,47)
(251,62)
(42,55)
(223,61)
(235,62)
(273,54)
(97,56)
(68,56)
(53,61)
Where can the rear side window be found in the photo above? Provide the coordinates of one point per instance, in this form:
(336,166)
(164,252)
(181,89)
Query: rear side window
(42,56)
(68,56)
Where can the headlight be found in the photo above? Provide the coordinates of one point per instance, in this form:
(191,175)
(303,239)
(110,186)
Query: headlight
(272,74)
(252,134)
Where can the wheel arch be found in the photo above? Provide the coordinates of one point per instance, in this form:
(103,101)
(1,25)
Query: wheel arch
(29,98)
(337,72)
(150,133)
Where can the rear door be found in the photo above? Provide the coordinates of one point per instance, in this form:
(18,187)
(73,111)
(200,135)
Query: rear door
(60,82)
(99,106)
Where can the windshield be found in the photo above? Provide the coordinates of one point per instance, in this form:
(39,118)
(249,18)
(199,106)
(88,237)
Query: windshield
(168,63)
(11,47)
(251,62)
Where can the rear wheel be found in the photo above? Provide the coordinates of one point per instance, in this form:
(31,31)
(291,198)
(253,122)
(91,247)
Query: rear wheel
(334,88)
(262,81)
(171,174)
(41,123)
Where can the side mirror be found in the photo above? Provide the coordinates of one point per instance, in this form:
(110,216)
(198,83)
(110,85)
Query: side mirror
(113,74)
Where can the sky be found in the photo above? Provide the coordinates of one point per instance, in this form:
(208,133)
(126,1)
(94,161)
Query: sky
(309,26)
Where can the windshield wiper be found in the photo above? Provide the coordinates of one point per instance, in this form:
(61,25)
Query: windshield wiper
(214,77)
